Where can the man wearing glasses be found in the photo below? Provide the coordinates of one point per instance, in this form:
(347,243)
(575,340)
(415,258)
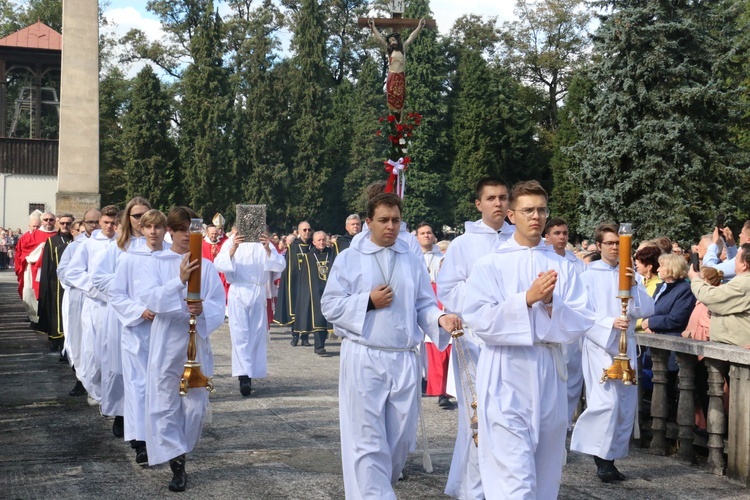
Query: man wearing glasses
(50,290)
(523,300)
(286,306)
(72,303)
(29,263)
(603,430)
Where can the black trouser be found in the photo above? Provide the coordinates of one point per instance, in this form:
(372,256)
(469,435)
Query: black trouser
(320,339)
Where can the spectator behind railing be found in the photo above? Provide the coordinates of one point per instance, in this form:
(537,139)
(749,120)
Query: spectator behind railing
(673,303)
(729,304)
(698,328)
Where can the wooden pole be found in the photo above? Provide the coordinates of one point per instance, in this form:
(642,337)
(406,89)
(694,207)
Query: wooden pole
(395,22)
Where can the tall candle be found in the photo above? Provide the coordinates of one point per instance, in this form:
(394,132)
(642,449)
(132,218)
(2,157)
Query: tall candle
(626,259)
(196,252)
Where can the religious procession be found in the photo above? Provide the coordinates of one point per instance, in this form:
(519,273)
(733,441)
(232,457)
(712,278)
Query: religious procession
(535,342)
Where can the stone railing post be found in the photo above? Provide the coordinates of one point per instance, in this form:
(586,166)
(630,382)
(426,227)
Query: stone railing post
(738,454)
(686,406)
(715,420)
(659,406)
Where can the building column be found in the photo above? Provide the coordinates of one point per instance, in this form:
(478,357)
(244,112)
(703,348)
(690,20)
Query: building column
(78,165)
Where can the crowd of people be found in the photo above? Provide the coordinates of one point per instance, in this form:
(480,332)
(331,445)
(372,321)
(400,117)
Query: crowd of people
(509,319)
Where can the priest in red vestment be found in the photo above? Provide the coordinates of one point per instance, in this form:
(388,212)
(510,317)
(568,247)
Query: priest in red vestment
(29,260)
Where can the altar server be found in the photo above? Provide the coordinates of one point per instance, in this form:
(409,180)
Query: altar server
(246,266)
(128,239)
(478,240)
(605,426)
(174,422)
(93,316)
(523,301)
(125,297)
(379,296)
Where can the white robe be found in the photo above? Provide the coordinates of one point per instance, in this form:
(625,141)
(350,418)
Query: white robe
(174,422)
(605,426)
(572,355)
(72,305)
(125,294)
(94,312)
(379,390)
(113,390)
(521,385)
(478,240)
(248,272)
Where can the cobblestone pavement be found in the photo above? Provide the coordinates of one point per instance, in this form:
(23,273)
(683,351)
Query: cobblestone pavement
(282,442)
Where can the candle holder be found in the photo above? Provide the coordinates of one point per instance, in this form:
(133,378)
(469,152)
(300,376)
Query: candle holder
(192,376)
(621,369)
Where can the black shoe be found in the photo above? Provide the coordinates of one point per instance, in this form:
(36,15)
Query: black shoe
(306,343)
(606,471)
(179,476)
(118,427)
(444,401)
(141,455)
(245,385)
(63,357)
(295,339)
(77,389)
(321,351)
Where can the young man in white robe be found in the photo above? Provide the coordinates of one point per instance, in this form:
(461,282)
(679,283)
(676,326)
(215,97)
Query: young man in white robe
(479,239)
(174,422)
(379,296)
(129,238)
(93,317)
(605,426)
(126,292)
(556,234)
(524,301)
(246,266)
(72,303)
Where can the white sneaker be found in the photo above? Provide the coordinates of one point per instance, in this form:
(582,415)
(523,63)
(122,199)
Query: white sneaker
(92,402)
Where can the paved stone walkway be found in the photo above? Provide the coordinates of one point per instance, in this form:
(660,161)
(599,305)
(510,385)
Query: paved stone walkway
(281,443)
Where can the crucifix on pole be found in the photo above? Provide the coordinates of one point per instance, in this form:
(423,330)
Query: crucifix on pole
(395,85)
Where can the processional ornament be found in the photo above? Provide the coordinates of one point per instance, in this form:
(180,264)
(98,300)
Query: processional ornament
(468,374)
(192,377)
(621,368)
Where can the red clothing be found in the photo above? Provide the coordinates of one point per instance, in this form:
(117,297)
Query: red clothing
(27,243)
(210,251)
(437,369)
(395,87)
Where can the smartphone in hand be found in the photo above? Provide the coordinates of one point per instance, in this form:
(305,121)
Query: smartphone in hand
(695,262)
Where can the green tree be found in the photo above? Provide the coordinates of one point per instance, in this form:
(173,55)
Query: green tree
(204,119)
(545,45)
(309,83)
(427,175)
(113,99)
(260,128)
(151,160)
(656,144)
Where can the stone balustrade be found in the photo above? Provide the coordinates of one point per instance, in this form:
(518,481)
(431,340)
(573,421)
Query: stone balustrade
(722,360)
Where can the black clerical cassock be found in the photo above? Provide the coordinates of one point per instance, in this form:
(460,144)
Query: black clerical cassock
(289,285)
(50,290)
(308,317)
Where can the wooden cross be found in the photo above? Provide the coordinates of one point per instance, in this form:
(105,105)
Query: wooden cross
(396,22)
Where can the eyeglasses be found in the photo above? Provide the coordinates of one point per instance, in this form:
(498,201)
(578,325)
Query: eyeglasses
(610,243)
(48,220)
(64,223)
(136,216)
(529,212)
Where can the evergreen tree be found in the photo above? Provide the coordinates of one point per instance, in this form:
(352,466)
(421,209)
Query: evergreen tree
(367,151)
(204,119)
(309,82)
(150,153)
(260,130)
(566,198)
(338,147)
(428,171)
(656,147)
(113,99)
